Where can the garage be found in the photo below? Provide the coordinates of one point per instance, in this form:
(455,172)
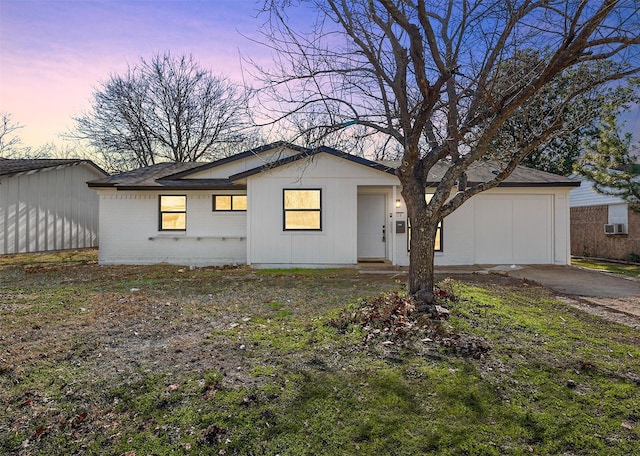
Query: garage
(514,229)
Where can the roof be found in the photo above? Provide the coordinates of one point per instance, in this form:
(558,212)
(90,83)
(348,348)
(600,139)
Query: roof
(162,176)
(12,167)
(307,153)
(170,175)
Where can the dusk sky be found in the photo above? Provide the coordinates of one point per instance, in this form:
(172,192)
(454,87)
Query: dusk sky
(54,52)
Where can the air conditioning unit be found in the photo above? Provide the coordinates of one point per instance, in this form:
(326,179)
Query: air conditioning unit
(615,228)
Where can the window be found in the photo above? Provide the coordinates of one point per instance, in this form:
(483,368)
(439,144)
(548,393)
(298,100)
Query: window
(302,209)
(173,212)
(438,243)
(229,203)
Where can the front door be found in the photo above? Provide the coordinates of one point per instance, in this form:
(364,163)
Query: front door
(372,235)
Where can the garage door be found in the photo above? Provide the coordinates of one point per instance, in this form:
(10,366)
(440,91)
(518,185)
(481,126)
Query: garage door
(514,229)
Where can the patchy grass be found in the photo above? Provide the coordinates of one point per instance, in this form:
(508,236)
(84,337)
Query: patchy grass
(167,360)
(629,270)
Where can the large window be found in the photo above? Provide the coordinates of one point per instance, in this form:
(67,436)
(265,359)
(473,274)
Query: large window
(229,203)
(173,212)
(302,209)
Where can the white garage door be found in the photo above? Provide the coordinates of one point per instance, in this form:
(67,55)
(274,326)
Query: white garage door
(514,229)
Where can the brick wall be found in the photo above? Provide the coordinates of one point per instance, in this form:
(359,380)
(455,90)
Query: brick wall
(588,238)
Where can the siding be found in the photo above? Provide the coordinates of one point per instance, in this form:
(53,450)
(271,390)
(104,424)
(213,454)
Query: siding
(585,195)
(51,209)
(129,231)
(340,181)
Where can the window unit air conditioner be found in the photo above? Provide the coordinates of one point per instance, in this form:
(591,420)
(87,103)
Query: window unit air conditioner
(615,228)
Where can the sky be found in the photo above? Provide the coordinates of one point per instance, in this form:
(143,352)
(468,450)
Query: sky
(54,53)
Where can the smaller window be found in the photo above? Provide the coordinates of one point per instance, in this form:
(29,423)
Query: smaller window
(229,203)
(173,212)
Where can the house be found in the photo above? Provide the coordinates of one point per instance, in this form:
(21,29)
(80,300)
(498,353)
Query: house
(603,226)
(286,206)
(45,205)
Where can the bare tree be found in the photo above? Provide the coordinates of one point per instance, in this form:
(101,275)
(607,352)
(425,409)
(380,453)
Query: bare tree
(445,80)
(10,142)
(11,145)
(165,109)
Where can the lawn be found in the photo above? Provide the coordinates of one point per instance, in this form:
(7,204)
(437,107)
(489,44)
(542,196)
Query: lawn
(164,360)
(628,270)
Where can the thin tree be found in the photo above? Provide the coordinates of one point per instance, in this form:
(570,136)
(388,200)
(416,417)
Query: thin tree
(10,143)
(446,80)
(165,109)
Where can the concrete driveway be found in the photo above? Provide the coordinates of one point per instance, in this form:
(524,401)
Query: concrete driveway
(574,281)
(601,288)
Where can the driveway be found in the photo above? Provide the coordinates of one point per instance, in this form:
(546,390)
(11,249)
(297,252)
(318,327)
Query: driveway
(600,288)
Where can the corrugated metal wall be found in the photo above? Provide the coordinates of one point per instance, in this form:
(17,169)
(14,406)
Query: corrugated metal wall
(49,209)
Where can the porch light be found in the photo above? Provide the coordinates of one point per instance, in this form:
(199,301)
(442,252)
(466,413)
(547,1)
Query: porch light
(398,204)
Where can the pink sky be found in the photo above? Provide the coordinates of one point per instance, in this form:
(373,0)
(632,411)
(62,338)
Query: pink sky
(54,52)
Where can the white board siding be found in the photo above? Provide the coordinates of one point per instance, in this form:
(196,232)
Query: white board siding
(129,230)
(49,209)
(505,226)
(513,229)
(336,244)
(237,166)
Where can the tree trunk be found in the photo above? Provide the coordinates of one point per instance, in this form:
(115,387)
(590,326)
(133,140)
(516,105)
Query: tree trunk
(421,261)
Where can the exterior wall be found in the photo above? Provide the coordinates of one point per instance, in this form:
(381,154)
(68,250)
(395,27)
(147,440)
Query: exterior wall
(588,238)
(49,209)
(245,164)
(501,226)
(129,231)
(585,195)
(336,244)
(505,226)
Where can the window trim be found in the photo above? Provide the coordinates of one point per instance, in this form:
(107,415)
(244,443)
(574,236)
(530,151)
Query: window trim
(285,210)
(232,196)
(161,212)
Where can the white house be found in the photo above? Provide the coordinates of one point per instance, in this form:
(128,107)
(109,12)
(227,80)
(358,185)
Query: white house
(603,226)
(46,205)
(287,206)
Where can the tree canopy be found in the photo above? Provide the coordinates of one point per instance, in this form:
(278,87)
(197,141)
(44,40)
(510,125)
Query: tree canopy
(164,109)
(451,81)
(612,163)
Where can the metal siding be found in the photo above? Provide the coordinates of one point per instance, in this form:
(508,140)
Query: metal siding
(50,209)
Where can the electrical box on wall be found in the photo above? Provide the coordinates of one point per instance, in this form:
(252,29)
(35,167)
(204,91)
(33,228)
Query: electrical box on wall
(401,227)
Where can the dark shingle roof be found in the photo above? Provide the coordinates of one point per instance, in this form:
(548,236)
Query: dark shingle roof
(11,167)
(481,171)
(172,175)
(162,176)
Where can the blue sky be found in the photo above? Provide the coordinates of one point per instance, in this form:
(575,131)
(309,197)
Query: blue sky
(54,52)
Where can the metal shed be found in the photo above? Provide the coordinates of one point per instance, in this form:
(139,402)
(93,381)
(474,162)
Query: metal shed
(45,205)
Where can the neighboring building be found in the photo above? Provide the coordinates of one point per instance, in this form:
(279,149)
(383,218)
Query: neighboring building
(285,206)
(46,205)
(603,226)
